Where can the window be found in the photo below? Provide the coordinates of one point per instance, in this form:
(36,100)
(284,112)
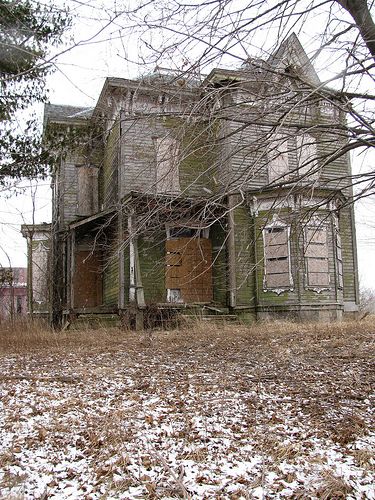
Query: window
(167,167)
(316,256)
(277,272)
(327,108)
(307,157)
(278,161)
(19,304)
(188,275)
(87,190)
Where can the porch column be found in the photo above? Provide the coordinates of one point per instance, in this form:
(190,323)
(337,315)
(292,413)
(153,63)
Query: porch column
(121,261)
(71,268)
(136,293)
(231,246)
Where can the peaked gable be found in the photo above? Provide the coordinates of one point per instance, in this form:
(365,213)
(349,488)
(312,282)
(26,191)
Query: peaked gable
(291,53)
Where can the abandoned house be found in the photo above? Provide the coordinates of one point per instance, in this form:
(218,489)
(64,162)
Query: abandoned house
(13,292)
(224,194)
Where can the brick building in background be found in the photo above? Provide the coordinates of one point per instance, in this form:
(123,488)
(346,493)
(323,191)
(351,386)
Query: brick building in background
(13,292)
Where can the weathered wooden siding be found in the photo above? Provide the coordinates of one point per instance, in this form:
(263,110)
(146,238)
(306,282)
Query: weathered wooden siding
(219,262)
(198,167)
(110,271)
(152,263)
(245,262)
(68,187)
(244,135)
(109,176)
(138,154)
(346,224)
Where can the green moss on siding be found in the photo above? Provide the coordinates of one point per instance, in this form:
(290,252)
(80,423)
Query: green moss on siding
(349,271)
(219,266)
(110,272)
(198,157)
(152,264)
(110,283)
(244,256)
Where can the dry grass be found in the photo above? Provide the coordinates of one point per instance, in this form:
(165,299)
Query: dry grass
(274,385)
(30,334)
(333,488)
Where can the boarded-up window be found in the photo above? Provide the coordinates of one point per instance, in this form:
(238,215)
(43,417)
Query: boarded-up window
(307,154)
(167,166)
(87,203)
(278,161)
(276,257)
(87,279)
(316,257)
(189,270)
(340,278)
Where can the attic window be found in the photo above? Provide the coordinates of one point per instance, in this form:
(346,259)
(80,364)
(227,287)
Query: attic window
(277,274)
(316,256)
(327,108)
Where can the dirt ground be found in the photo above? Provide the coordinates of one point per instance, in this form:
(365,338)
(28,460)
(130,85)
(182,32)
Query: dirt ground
(210,411)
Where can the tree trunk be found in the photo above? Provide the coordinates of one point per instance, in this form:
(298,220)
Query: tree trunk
(361,15)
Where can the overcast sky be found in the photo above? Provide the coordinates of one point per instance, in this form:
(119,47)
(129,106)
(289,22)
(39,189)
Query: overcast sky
(78,79)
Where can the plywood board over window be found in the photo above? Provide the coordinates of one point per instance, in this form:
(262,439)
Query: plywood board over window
(316,257)
(87,279)
(167,165)
(278,159)
(277,273)
(189,270)
(307,157)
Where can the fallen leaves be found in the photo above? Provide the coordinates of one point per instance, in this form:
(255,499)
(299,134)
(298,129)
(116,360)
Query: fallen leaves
(219,414)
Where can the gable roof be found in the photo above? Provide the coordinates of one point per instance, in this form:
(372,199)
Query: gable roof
(291,53)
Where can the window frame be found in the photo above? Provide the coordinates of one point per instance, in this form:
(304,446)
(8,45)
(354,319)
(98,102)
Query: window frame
(317,227)
(278,152)
(277,227)
(167,165)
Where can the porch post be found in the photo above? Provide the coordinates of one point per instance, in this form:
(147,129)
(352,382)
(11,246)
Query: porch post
(72,267)
(121,261)
(136,293)
(231,246)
